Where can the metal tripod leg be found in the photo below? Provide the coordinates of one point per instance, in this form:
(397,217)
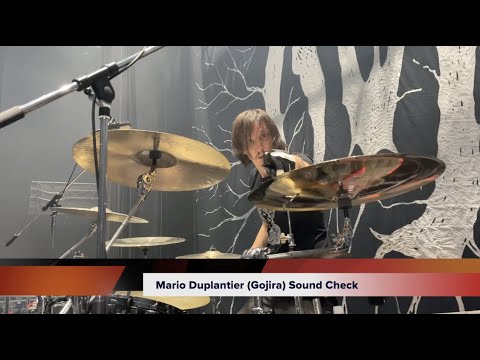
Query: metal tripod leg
(317,306)
(67,306)
(258,307)
(299,305)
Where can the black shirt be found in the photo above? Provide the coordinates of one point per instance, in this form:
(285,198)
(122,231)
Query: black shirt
(308,228)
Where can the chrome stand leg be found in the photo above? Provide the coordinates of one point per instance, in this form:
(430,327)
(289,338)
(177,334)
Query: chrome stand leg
(66,307)
(299,305)
(317,306)
(258,307)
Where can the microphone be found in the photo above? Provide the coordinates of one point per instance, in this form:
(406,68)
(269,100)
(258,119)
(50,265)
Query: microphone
(14,237)
(53,202)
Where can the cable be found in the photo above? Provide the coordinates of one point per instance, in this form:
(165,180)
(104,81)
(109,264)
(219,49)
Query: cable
(70,178)
(131,63)
(95,141)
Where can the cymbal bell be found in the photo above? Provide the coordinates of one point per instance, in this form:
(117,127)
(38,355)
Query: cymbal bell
(348,181)
(146,241)
(211,254)
(180,302)
(184,164)
(92,213)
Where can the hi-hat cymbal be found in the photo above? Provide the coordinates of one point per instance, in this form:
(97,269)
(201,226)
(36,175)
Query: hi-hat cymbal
(360,179)
(146,241)
(184,164)
(311,254)
(92,213)
(211,254)
(180,302)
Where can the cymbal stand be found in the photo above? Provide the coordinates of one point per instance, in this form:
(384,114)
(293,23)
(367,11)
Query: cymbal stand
(299,309)
(290,239)
(215,305)
(258,307)
(144,186)
(76,303)
(41,304)
(93,228)
(257,253)
(343,240)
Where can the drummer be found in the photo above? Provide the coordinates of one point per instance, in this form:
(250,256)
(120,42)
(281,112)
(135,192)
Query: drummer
(256,140)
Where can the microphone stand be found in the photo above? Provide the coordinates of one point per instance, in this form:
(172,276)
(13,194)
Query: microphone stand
(99,80)
(53,203)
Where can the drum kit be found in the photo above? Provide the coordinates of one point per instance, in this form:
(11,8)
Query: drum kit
(340,183)
(150,160)
(121,302)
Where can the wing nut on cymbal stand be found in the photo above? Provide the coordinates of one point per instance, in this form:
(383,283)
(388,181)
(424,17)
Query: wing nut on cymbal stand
(343,240)
(144,186)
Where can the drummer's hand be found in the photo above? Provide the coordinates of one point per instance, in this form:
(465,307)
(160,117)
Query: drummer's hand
(277,162)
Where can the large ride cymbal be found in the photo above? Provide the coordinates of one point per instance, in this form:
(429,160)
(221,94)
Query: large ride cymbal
(92,213)
(184,164)
(180,302)
(146,241)
(334,183)
(211,254)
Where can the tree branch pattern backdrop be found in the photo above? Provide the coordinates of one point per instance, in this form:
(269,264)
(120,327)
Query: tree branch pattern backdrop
(334,102)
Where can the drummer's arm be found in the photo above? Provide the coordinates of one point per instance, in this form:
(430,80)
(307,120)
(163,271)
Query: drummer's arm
(262,237)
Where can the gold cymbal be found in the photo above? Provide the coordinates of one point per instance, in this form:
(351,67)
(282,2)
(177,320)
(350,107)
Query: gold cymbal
(311,254)
(211,254)
(146,241)
(92,213)
(184,164)
(361,179)
(180,302)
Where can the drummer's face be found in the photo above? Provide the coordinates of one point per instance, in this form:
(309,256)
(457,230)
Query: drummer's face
(259,143)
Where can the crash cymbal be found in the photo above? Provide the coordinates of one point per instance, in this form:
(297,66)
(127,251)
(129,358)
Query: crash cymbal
(184,164)
(311,254)
(146,241)
(180,302)
(92,213)
(361,179)
(211,254)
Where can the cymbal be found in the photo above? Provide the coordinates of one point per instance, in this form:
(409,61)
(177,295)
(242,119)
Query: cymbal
(180,302)
(311,254)
(361,179)
(184,164)
(146,241)
(92,213)
(211,254)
